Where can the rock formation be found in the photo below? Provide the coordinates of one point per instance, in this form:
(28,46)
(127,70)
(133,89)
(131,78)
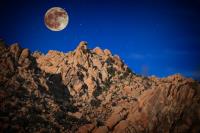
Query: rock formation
(90,91)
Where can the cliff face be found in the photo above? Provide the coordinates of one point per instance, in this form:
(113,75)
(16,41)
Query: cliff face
(90,90)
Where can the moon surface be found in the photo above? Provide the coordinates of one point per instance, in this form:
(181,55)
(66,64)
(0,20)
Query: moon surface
(56,19)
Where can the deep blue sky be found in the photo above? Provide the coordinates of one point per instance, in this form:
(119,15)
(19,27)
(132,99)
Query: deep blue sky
(153,37)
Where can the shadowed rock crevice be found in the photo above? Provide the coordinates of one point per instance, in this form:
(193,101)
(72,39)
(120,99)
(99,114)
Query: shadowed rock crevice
(90,90)
(40,100)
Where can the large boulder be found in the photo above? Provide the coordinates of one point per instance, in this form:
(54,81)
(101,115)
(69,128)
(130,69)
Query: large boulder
(98,51)
(15,49)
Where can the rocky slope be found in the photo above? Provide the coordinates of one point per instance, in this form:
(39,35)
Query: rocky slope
(90,91)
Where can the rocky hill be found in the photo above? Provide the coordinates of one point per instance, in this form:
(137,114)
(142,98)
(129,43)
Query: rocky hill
(90,91)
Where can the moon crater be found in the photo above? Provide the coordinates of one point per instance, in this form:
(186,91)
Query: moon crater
(56,19)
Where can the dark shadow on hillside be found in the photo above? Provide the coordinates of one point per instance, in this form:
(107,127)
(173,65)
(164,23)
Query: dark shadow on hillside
(36,108)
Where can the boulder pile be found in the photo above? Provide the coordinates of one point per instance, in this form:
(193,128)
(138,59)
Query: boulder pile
(90,91)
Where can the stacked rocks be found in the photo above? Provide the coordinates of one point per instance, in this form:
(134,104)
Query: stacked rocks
(90,90)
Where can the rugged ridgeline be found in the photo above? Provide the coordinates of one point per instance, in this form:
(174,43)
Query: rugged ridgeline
(90,91)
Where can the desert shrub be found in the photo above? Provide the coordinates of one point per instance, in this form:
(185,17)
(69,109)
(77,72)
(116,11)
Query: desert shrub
(95,102)
(111,71)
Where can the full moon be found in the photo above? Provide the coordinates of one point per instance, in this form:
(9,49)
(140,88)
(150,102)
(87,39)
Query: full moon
(56,19)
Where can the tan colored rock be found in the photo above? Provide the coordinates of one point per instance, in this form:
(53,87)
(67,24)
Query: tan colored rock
(117,110)
(93,72)
(98,51)
(37,54)
(122,127)
(80,51)
(107,99)
(51,69)
(10,64)
(86,128)
(115,118)
(40,60)
(107,52)
(104,74)
(81,56)
(15,49)
(79,82)
(102,129)
(78,85)
(25,53)
(82,45)
(128,90)
(117,60)
(76,114)
(25,62)
(55,58)
(97,63)
(91,84)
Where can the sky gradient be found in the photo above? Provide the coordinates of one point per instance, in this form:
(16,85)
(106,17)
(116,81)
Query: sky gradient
(152,37)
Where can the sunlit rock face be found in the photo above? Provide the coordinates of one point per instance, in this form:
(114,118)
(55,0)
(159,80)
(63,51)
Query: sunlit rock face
(90,90)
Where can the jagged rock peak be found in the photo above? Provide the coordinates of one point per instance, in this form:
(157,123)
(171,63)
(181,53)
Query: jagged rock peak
(98,51)
(82,46)
(14,48)
(91,91)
